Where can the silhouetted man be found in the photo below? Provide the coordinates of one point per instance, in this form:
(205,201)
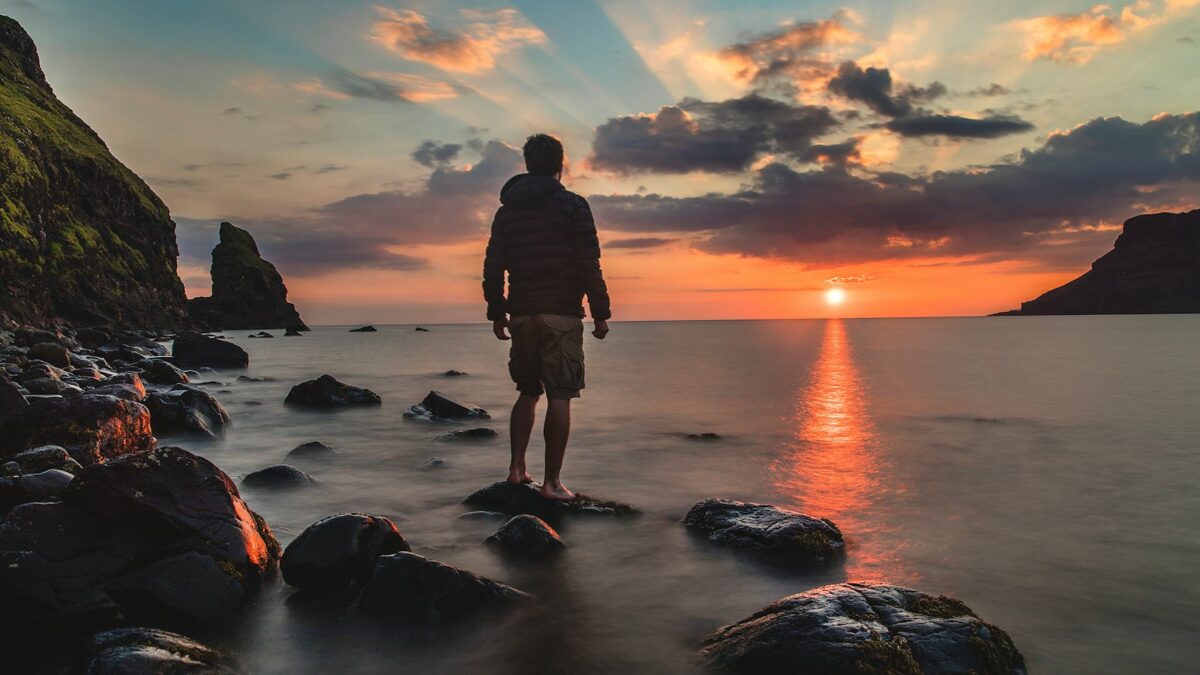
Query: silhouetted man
(544,237)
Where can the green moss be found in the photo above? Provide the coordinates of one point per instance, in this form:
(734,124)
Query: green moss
(886,657)
(941,607)
(997,656)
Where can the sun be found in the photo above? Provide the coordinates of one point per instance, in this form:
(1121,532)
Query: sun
(835,296)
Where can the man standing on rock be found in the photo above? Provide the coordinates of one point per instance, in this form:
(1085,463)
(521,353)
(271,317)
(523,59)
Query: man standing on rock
(544,237)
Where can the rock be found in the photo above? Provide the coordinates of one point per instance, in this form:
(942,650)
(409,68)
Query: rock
(364,329)
(128,392)
(312,449)
(439,407)
(862,629)
(194,350)
(470,516)
(84,239)
(150,651)
(775,534)
(30,487)
(293,332)
(46,457)
(339,551)
(435,463)
(247,291)
(160,535)
(247,378)
(28,337)
(327,392)
(187,410)
(278,476)
(52,353)
(49,386)
(12,401)
(474,434)
(527,535)
(706,436)
(412,590)
(253,403)
(526,498)
(1154,268)
(261,334)
(92,337)
(422,330)
(158,371)
(453,373)
(91,427)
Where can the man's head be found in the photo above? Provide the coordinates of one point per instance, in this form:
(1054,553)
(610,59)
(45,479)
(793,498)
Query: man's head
(543,155)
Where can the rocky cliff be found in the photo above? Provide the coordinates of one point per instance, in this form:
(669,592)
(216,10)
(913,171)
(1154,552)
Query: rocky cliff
(1154,268)
(247,291)
(82,238)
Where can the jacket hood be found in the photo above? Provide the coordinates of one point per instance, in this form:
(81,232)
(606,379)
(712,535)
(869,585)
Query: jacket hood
(525,189)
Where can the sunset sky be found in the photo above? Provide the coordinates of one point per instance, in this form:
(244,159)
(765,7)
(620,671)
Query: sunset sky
(742,158)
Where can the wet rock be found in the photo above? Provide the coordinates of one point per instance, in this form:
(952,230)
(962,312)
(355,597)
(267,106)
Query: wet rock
(46,457)
(327,392)
(12,401)
(87,373)
(247,378)
(50,386)
(261,334)
(311,450)
(141,344)
(91,427)
(278,476)
(775,534)
(160,535)
(527,535)
(150,651)
(187,410)
(474,434)
(292,332)
(526,498)
(194,350)
(52,353)
(339,551)
(253,403)
(158,371)
(453,373)
(422,330)
(485,516)
(706,436)
(364,329)
(30,487)
(92,337)
(435,463)
(28,337)
(412,590)
(124,391)
(436,406)
(862,629)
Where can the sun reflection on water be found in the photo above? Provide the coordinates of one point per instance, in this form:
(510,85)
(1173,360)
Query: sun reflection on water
(832,469)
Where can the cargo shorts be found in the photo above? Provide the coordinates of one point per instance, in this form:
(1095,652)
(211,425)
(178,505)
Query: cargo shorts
(547,355)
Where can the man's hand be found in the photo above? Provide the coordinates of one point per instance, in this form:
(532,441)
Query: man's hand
(601,329)
(498,327)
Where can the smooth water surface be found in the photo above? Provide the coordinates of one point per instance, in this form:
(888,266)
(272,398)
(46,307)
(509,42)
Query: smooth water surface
(1043,470)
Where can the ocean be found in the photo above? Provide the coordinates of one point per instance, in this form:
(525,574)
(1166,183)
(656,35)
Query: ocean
(1043,470)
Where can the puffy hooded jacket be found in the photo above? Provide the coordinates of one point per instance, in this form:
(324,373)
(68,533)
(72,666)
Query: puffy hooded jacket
(544,237)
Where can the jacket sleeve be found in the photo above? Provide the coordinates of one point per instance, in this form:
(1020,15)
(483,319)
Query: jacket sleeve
(493,272)
(587,261)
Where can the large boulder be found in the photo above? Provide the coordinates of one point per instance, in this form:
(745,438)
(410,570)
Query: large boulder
(91,427)
(46,457)
(161,536)
(188,410)
(194,350)
(412,590)
(51,352)
(30,487)
(526,498)
(436,406)
(278,476)
(862,629)
(339,551)
(161,371)
(12,401)
(150,651)
(527,535)
(775,534)
(327,392)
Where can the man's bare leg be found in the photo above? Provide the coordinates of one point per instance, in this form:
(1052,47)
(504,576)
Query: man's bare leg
(520,428)
(557,431)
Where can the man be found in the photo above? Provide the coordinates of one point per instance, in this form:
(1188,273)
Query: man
(545,239)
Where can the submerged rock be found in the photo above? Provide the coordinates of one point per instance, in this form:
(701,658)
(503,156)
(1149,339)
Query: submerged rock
(327,392)
(185,409)
(776,534)
(526,498)
(160,535)
(453,373)
(862,629)
(311,450)
(436,406)
(278,476)
(474,434)
(194,350)
(339,551)
(150,651)
(364,329)
(527,535)
(412,590)
(292,332)
(91,427)
(705,436)
(419,329)
(261,334)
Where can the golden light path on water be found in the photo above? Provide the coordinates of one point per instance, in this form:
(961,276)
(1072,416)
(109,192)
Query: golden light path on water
(832,469)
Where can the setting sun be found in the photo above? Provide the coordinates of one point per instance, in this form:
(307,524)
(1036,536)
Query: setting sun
(835,296)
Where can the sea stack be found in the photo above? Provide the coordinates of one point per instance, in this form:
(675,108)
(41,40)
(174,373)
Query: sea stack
(247,291)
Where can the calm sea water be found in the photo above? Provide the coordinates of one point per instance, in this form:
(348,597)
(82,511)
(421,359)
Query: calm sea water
(1043,470)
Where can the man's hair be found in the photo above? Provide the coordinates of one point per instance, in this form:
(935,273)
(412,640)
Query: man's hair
(543,155)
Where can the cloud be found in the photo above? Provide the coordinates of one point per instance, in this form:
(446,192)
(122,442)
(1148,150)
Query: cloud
(432,153)
(790,52)
(838,154)
(992,89)
(718,137)
(471,49)
(378,86)
(955,126)
(1076,38)
(639,242)
(1103,171)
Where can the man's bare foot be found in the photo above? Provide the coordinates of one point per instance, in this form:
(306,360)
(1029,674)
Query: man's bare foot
(557,492)
(519,476)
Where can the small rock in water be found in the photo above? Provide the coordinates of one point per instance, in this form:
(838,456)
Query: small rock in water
(247,378)
(476,433)
(194,350)
(438,407)
(186,409)
(706,436)
(527,535)
(261,334)
(312,449)
(412,590)
(158,371)
(339,551)
(364,329)
(327,392)
(453,373)
(134,651)
(435,463)
(253,403)
(483,515)
(422,330)
(526,498)
(278,476)
(862,629)
(776,534)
